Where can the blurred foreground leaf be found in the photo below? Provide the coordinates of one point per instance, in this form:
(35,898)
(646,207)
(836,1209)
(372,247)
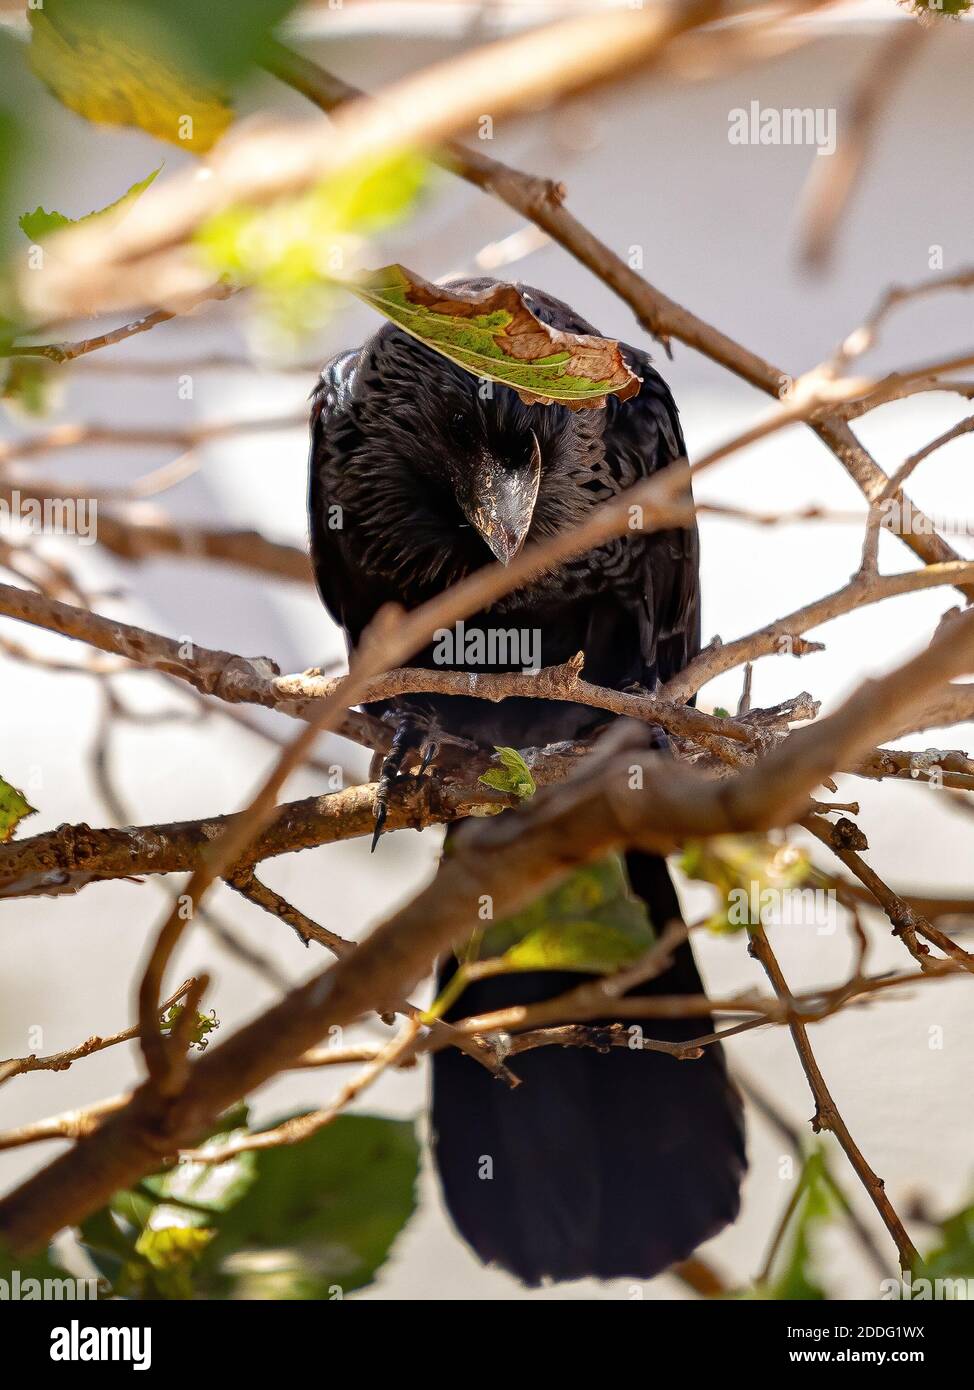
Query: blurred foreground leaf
(32,387)
(321,1216)
(148,1241)
(313,1220)
(166,66)
(295,251)
(17,1270)
(953,1257)
(797,1277)
(750,873)
(38,224)
(18,142)
(592,923)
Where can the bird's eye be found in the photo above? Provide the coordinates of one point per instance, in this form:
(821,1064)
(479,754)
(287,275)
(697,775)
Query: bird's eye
(459,427)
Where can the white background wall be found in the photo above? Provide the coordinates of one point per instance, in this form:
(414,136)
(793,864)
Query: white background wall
(649,165)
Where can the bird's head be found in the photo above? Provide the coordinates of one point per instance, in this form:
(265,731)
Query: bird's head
(495,475)
(462,466)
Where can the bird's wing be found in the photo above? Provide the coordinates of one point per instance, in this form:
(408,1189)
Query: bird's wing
(334,436)
(643,435)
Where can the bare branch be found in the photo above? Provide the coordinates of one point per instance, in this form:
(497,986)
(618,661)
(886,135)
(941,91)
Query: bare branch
(71,351)
(246,883)
(832,182)
(61,1061)
(827,1114)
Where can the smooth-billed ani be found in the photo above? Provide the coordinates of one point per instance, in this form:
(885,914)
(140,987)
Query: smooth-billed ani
(605,1163)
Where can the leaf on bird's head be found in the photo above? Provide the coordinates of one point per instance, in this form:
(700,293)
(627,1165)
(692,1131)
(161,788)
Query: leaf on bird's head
(14,807)
(493,334)
(513,776)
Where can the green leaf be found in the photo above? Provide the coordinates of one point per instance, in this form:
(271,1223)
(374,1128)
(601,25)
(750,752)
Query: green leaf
(748,871)
(20,142)
(117,66)
(40,1276)
(32,382)
(14,807)
(953,1257)
(321,1216)
(312,1220)
(585,946)
(211,1188)
(295,252)
(146,51)
(164,66)
(205,1025)
(159,1260)
(797,1278)
(38,224)
(32,387)
(107,1246)
(41,1265)
(590,922)
(172,1253)
(148,1241)
(493,334)
(513,776)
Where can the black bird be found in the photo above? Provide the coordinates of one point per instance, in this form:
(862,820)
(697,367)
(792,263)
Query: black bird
(601,1163)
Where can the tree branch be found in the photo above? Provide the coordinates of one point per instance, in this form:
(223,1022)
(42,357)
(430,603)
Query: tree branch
(511,858)
(827,1114)
(61,1061)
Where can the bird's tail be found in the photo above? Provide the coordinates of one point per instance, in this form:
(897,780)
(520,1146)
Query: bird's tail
(601,1163)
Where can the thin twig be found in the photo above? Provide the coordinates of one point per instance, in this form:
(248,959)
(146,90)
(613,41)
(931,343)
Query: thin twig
(61,1061)
(827,1116)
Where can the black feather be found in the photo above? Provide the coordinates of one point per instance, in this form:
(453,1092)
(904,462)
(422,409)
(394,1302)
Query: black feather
(607,1164)
(602,1164)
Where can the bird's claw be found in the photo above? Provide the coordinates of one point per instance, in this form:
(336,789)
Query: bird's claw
(409,737)
(381,811)
(428,753)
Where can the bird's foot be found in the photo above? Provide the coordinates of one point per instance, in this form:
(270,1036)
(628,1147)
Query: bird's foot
(413,735)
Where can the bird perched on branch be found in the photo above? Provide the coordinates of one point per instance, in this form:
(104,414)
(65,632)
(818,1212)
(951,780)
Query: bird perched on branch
(606,1162)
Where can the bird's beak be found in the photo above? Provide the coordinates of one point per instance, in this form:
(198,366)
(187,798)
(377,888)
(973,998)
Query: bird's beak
(499,501)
